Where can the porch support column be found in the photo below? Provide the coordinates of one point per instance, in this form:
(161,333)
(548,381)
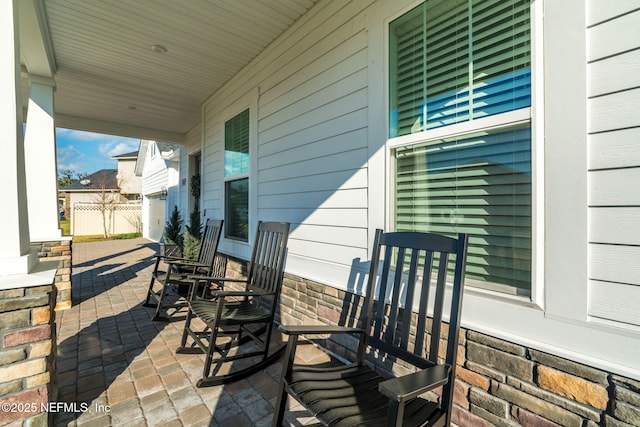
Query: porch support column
(15,255)
(40,161)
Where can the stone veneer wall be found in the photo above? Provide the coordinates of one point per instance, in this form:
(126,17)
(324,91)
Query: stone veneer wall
(498,383)
(60,251)
(27,355)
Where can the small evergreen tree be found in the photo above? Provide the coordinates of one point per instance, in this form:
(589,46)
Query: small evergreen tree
(173,228)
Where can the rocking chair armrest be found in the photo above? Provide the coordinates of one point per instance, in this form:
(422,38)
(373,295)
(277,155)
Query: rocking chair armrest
(205,278)
(180,262)
(222,294)
(318,329)
(168,258)
(406,387)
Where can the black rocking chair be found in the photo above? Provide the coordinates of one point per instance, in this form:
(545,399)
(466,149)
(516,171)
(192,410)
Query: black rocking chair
(176,277)
(393,329)
(244,317)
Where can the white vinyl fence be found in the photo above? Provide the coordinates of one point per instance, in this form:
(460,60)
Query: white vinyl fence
(87,218)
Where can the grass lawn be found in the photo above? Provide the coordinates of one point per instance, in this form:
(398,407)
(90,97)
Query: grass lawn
(65,225)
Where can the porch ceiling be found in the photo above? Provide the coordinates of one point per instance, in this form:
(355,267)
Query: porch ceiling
(108,78)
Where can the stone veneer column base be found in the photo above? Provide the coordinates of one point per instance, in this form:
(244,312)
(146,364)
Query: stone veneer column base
(27,355)
(60,251)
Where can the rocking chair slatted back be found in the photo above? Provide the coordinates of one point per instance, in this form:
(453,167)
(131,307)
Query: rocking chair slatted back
(400,324)
(412,270)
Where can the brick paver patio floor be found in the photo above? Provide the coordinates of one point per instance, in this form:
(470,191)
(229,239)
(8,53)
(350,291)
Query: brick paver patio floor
(118,367)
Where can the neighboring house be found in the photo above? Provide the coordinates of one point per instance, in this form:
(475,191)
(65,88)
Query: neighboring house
(157,167)
(130,184)
(100,185)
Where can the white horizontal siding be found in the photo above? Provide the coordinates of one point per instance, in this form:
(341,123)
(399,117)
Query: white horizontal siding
(615,263)
(614,301)
(613,92)
(615,187)
(599,11)
(614,36)
(618,110)
(615,149)
(627,74)
(614,225)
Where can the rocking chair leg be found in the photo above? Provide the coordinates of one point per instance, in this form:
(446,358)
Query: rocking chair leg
(210,350)
(146,304)
(185,331)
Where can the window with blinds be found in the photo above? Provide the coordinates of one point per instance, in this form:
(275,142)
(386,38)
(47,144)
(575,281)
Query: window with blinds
(461,61)
(454,61)
(236,172)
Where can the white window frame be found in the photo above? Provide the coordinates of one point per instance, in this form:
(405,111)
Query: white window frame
(495,122)
(236,247)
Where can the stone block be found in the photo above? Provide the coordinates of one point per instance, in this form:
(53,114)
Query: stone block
(10,387)
(505,362)
(22,369)
(24,336)
(626,413)
(44,289)
(461,394)
(493,419)
(463,418)
(31,400)
(472,378)
(528,419)
(581,409)
(27,301)
(11,293)
(489,372)
(8,356)
(625,395)
(40,420)
(15,319)
(628,383)
(570,367)
(496,343)
(572,387)
(536,405)
(609,421)
(40,315)
(488,402)
(40,349)
(38,380)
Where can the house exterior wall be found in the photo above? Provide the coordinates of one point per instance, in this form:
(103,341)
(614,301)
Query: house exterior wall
(192,145)
(128,182)
(154,173)
(319,160)
(614,162)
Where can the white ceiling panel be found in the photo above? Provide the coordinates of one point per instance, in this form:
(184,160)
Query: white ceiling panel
(108,72)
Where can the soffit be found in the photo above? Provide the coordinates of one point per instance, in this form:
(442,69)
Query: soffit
(108,73)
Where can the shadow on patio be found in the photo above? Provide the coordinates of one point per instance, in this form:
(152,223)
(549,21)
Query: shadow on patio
(120,368)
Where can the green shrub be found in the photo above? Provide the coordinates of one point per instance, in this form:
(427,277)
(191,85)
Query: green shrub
(191,246)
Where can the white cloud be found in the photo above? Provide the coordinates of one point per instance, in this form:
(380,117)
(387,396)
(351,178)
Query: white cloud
(118,146)
(68,157)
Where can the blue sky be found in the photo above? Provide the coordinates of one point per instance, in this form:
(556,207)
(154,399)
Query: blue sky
(89,152)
